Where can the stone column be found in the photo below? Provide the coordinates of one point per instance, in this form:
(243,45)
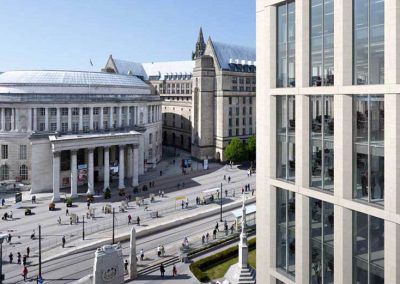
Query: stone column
(35,119)
(135,166)
(302,239)
(80,119)
(16,117)
(111,123)
(91,118)
(56,176)
(129,157)
(101,119)
(132,255)
(128,116)
(69,119)
(120,116)
(74,174)
(90,172)
(392,40)
(58,119)
(29,119)
(46,119)
(121,167)
(3,119)
(106,167)
(12,119)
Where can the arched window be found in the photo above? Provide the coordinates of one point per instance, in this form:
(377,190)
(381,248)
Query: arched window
(4,172)
(23,172)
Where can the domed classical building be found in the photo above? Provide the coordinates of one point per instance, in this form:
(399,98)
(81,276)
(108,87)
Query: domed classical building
(64,129)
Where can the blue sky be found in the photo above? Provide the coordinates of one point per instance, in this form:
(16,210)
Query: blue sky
(65,34)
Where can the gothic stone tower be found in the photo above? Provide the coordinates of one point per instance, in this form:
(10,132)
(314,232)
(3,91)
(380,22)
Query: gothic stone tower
(200,46)
(203,106)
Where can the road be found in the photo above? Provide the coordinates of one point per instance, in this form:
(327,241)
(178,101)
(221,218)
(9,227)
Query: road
(70,268)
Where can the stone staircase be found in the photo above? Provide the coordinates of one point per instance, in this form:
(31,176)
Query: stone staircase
(247,276)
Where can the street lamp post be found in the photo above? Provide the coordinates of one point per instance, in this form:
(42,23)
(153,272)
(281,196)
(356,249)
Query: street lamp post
(40,252)
(2,237)
(113,225)
(83,227)
(221,204)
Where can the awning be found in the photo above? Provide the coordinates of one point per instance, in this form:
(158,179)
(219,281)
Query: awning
(211,191)
(250,209)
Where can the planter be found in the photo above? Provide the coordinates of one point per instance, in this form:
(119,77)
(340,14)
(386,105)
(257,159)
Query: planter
(28,212)
(52,206)
(69,202)
(107,193)
(90,198)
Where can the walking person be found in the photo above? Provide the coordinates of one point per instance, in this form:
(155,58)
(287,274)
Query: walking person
(141,254)
(25,273)
(63,241)
(226,193)
(207,237)
(138,220)
(126,266)
(162,270)
(229,179)
(129,218)
(9,238)
(66,212)
(28,250)
(217,226)
(174,271)
(19,258)
(24,260)
(158,251)
(203,238)
(11,257)
(3,202)
(214,234)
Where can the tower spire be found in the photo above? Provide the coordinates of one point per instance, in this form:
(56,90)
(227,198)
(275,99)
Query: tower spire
(200,46)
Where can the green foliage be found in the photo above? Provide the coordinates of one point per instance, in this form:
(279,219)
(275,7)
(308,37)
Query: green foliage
(107,193)
(236,151)
(251,148)
(69,201)
(199,267)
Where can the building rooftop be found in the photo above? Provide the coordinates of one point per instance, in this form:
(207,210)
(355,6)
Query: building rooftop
(68,78)
(231,55)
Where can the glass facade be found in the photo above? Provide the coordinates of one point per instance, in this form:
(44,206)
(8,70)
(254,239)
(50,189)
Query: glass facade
(286,123)
(285,240)
(321,242)
(321,44)
(368,42)
(368,249)
(368,175)
(321,148)
(286,45)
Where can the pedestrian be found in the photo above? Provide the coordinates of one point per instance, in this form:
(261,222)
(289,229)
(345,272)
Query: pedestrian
(226,193)
(232,229)
(63,241)
(138,220)
(162,251)
(66,212)
(224,177)
(19,258)
(159,193)
(242,190)
(129,218)
(162,270)
(207,237)
(158,251)
(28,250)
(33,235)
(162,194)
(252,192)
(77,219)
(229,179)
(214,234)
(70,220)
(9,238)
(25,273)
(187,204)
(203,238)
(174,271)
(59,220)
(126,266)
(3,202)
(183,204)
(217,226)
(10,215)
(88,205)
(141,254)
(10,257)
(24,260)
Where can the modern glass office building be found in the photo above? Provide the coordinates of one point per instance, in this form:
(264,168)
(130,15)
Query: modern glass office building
(328,152)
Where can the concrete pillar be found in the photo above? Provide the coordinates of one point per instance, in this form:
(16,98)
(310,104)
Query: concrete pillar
(302,44)
(111,123)
(120,116)
(132,255)
(135,166)
(56,176)
(12,119)
(302,239)
(69,119)
(343,38)
(343,158)
(121,167)
(3,119)
(35,119)
(90,172)
(30,119)
(46,119)
(58,119)
(80,119)
(16,119)
(129,157)
(74,174)
(106,167)
(302,140)
(100,162)
(392,42)
(343,252)
(392,252)
(128,116)
(91,118)
(392,153)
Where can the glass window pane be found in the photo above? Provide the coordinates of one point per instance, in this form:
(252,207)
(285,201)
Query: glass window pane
(361,109)
(316,163)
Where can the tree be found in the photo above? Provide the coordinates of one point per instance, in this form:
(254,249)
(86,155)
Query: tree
(236,151)
(251,148)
